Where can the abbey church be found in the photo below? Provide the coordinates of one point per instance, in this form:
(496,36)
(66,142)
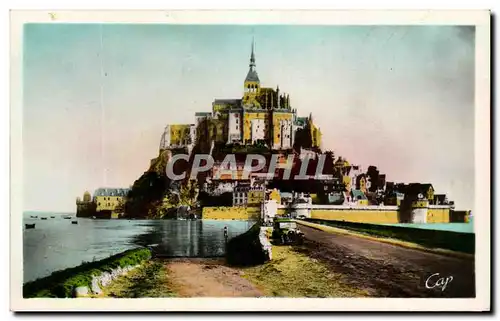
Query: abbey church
(262,116)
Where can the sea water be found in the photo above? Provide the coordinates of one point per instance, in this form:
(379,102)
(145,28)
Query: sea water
(56,243)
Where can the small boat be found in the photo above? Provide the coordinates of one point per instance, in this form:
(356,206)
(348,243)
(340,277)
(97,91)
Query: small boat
(52,217)
(34,216)
(43,218)
(67,217)
(28,226)
(74,222)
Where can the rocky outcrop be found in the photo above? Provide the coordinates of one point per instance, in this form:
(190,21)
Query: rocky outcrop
(265,243)
(249,248)
(147,192)
(81,291)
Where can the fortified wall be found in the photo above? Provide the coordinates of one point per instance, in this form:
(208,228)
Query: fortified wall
(231,213)
(361,214)
(419,212)
(422,213)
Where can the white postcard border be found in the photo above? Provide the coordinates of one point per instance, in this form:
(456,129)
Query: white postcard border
(482,211)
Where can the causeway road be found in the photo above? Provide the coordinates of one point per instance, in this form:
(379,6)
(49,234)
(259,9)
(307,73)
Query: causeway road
(387,270)
(197,277)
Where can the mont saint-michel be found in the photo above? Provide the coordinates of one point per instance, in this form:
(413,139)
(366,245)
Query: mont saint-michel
(265,161)
(255,158)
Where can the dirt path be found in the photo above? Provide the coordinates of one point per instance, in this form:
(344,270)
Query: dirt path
(386,270)
(207,278)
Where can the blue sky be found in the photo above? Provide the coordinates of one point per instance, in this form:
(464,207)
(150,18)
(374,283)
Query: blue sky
(97,97)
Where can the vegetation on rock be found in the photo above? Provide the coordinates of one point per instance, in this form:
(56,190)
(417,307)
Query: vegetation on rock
(154,195)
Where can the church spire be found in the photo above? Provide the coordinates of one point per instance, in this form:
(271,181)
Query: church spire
(252,56)
(252,73)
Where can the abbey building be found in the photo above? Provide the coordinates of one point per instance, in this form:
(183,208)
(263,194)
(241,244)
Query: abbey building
(263,115)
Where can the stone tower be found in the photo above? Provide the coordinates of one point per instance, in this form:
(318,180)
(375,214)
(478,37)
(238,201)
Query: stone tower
(252,82)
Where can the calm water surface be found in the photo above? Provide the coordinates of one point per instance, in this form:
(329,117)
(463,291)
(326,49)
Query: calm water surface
(56,244)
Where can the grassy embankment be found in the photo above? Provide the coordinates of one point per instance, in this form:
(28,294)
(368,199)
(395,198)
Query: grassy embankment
(61,284)
(291,274)
(444,242)
(149,281)
(288,274)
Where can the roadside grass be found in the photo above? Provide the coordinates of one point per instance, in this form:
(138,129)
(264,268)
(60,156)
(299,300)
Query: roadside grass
(292,274)
(383,236)
(148,281)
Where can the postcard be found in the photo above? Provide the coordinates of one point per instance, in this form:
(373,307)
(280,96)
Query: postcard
(250,161)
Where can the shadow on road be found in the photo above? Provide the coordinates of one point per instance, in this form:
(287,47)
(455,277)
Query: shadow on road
(386,270)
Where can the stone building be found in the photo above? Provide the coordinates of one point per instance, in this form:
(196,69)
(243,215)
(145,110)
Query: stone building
(262,115)
(109,200)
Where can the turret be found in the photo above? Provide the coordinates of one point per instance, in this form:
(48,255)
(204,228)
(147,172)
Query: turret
(419,209)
